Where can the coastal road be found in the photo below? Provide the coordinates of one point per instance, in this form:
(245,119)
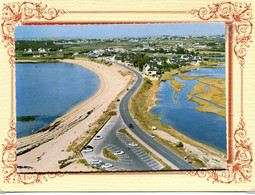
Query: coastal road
(167,154)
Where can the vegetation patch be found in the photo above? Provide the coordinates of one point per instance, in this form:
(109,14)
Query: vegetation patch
(108,154)
(201,164)
(64,163)
(126,73)
(179,145)
(186,77)
(108,64)
(26,118)
(216,82)
(199,88)
(207,107)
(84,162)
(214,95)
(177,86)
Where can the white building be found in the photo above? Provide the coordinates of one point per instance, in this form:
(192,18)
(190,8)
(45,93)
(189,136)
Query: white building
(196,61)
(37,56)
(149,70)
(41,50)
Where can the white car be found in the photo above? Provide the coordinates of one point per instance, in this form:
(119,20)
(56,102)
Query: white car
(96,162)
(118,153)
(132,144)
(87,149)
(98,137)
(106,165)
(152,136)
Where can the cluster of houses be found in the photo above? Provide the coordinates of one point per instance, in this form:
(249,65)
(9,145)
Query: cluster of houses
(152,67)
(100,52)
(40,52)
(110,55)
(149,68)
(71,42)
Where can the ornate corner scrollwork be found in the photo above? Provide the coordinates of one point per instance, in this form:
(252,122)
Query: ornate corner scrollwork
(240,14)
(14,14)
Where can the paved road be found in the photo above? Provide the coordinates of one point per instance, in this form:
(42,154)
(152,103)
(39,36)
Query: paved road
(177,161)
(134,157)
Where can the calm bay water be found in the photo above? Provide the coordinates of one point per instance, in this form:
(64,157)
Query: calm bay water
(208,128)
(221,57)
(49,90)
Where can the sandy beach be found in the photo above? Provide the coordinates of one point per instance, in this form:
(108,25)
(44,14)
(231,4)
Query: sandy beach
(41,152)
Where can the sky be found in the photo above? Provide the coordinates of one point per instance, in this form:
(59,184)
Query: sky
(117,30)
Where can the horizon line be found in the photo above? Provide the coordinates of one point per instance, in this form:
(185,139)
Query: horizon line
(114,37)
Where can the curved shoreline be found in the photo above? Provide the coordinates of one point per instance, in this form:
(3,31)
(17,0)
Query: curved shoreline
(43,150)
(72,107)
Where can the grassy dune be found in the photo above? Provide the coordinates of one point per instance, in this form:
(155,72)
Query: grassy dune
(216,82)
(125,73)
(207,107)
(186,77)
(214,95)
(199,88)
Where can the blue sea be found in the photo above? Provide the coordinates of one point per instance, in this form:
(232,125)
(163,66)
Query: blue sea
(49,90)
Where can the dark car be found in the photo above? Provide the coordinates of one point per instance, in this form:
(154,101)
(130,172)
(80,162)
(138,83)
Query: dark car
(130,125)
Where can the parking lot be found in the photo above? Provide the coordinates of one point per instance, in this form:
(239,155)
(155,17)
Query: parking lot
(131,156)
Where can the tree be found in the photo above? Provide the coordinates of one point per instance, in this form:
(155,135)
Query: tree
(180,50)
(179,145)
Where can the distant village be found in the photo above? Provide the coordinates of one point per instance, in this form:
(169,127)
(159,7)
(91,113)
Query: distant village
(151,55)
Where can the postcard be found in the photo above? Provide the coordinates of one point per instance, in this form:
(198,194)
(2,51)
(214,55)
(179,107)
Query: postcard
(131,96)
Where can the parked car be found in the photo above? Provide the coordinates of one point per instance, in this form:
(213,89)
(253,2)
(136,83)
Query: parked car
(118,153)
(87,149)
(97,163)
(107,165)
(98,137)
(132,144)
